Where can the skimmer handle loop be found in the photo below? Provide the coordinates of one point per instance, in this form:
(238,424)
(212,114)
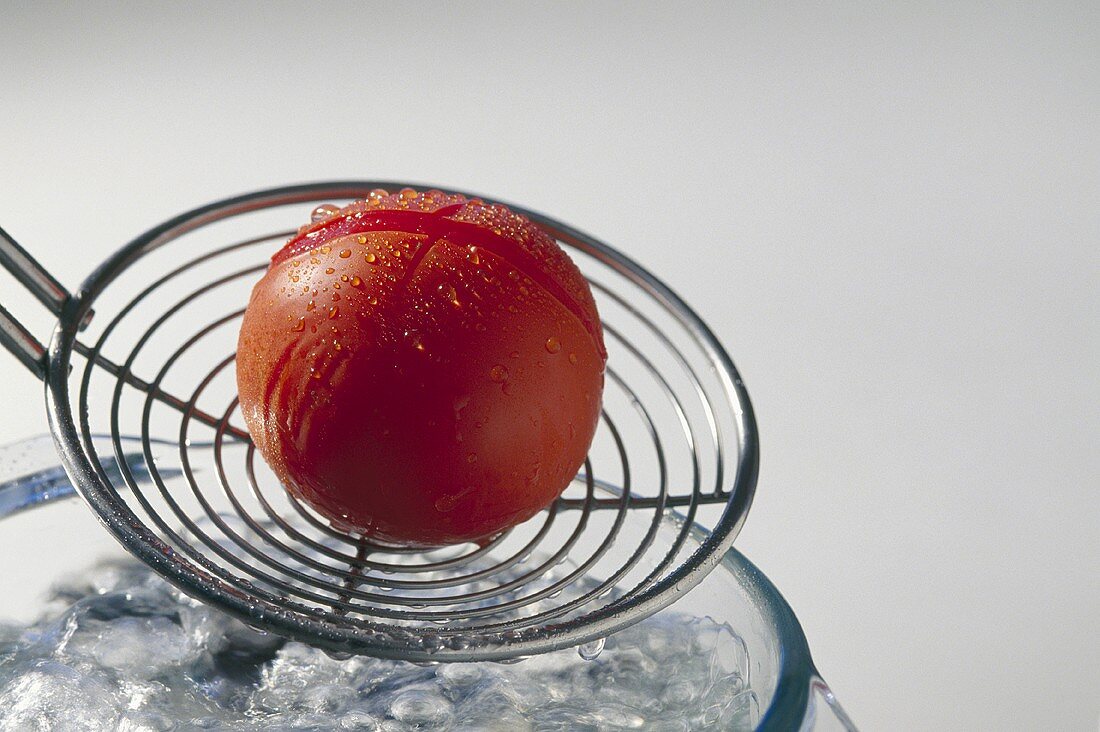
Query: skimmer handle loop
(13,335)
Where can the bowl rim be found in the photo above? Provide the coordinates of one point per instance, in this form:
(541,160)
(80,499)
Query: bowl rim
(795,672)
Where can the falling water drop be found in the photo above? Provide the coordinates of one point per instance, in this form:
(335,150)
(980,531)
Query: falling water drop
(591,651)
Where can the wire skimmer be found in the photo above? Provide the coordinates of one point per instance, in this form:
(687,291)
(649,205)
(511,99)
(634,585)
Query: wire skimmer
(676,448)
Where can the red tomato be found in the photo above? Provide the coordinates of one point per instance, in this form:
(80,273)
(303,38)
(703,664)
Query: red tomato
(422,369)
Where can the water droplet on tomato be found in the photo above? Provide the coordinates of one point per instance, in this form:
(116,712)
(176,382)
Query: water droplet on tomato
(498,373)
(323,212)
(553,345)
(299,326)
(573,358)
(345,253)
(450,293)
(370,257)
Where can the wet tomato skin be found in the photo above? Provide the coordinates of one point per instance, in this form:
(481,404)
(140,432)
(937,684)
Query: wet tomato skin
(422,369)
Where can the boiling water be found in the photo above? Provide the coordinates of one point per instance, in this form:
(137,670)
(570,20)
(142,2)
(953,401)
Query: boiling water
(120,649)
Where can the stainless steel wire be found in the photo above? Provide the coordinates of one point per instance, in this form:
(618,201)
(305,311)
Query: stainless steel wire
(158,360)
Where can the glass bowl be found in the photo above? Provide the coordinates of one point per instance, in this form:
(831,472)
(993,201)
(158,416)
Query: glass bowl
(49,534)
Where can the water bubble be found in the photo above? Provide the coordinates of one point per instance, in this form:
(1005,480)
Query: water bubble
(357,719)
(591,651)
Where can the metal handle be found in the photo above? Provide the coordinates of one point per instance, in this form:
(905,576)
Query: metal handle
(13,336)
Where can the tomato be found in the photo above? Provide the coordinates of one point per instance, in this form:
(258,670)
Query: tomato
(422,369)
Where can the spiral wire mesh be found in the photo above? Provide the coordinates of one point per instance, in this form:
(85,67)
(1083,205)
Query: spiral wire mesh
(157,362)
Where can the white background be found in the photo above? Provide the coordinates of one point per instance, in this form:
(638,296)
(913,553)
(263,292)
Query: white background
(890,216)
